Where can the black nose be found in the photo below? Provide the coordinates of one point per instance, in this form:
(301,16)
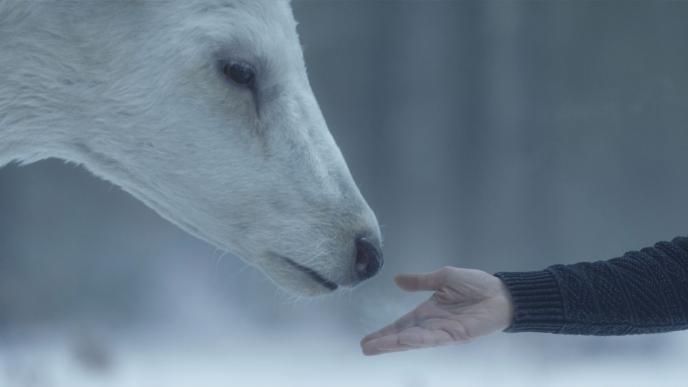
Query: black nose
(368,258)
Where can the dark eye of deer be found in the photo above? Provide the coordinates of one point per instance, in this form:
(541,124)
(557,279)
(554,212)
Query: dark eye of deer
(240,73)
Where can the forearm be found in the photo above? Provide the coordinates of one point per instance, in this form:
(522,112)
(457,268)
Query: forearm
(641,292)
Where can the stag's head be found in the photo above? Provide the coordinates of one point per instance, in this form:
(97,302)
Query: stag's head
(203,110)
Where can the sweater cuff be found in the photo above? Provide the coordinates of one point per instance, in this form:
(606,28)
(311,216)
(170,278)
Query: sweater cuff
(537,302)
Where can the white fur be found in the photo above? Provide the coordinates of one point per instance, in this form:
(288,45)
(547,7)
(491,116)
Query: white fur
(131,90)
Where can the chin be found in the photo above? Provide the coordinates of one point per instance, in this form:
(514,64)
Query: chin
(300,284)
(295,278)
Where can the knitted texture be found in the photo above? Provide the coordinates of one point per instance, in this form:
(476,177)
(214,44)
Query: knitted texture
(643,291)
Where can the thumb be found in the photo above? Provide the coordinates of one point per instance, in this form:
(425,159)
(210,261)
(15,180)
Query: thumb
(416,282)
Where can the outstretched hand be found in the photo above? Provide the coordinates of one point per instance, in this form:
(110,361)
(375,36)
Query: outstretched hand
(466,304)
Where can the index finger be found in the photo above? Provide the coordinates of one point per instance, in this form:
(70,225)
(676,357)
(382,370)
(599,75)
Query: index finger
(429,281)
(399,325)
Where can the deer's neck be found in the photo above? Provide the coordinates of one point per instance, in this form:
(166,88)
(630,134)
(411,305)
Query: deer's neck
(42,91)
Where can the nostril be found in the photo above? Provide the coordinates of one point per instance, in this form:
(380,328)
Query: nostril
(368,258)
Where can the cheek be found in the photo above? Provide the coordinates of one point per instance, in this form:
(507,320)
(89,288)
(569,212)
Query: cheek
(242,110)
(207,123)
(239,109)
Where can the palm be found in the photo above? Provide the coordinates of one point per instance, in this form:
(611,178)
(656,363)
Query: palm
(466,304)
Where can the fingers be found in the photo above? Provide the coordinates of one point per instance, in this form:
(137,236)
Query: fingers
(381,345)
(405,334)
(416,282)
(402,323)
(411,338)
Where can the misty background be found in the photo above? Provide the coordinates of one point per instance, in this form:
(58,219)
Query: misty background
(498,135)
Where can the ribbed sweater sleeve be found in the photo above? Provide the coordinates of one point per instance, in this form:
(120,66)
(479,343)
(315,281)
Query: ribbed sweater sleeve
(643,291)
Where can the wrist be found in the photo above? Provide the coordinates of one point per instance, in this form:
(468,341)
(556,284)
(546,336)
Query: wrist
(506,305)
(536,301)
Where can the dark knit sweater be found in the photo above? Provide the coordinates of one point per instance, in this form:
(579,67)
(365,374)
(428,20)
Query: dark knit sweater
(642,292)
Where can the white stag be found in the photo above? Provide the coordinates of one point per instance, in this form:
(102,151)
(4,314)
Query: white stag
(201,109)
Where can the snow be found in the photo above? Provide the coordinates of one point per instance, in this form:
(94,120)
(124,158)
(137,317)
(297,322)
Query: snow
(318,358)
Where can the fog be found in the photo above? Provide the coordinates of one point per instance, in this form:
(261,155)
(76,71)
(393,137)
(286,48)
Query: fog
(498,135)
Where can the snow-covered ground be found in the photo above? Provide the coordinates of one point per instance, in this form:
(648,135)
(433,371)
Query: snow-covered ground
(304,358)
(194,334)
(197,336)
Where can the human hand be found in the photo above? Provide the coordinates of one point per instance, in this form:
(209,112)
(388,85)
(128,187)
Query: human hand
(466,304)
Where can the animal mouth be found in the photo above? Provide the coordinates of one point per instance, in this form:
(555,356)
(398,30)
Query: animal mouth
(313,274)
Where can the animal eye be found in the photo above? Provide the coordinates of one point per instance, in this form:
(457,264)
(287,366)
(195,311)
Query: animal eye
(240,73)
